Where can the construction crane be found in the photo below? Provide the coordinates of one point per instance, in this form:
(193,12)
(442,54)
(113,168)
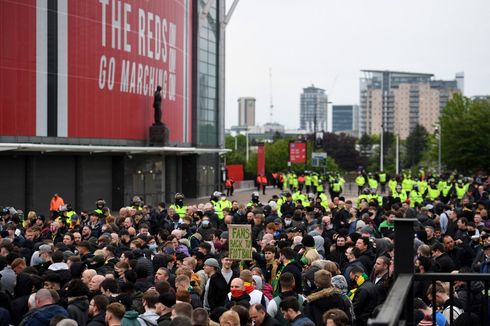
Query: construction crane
(271,106)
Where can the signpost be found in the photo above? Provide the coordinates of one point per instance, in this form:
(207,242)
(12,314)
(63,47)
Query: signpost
(240,241)
(297,151)
(318,159)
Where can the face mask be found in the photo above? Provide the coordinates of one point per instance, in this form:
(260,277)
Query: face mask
(179,202)
(205,223)
(153,246)
(287,222)
(235,293)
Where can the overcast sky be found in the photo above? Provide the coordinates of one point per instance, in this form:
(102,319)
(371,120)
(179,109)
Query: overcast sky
(328,42)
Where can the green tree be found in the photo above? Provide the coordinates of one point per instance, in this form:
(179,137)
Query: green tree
(415,145)
(465,134)
(342,148)
(236,156)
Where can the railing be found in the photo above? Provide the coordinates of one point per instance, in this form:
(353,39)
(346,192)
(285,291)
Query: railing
(398,306)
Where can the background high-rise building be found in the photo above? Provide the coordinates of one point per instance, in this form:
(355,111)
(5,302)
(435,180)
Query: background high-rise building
(398,101)
(314,109)
(246,112)
(345,118)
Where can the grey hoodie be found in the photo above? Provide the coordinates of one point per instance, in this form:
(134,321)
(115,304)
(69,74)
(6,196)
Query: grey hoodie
(148,318)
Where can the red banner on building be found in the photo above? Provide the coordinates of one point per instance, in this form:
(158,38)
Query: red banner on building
(261,160)
(297,151)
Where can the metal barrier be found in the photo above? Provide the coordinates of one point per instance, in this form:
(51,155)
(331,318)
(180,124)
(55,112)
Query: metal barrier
(398,306)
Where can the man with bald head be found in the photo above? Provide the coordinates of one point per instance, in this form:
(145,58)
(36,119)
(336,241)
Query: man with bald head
(45,310)
(237,294)
(94,285)
(87,276)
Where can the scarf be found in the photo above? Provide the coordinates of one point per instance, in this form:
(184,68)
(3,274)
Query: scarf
(275,281)
(360,281)
(248,287)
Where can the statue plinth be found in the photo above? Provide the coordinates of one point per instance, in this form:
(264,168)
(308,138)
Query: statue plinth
(158,135)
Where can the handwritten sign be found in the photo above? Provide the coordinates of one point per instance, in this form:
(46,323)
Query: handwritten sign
(240,241)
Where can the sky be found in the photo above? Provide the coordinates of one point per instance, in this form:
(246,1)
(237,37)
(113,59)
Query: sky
(327,42)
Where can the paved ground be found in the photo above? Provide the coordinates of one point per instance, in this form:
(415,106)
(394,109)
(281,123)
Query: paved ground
(244,195)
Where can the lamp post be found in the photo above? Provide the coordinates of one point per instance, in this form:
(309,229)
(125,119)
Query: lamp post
(246,145)
(437,131)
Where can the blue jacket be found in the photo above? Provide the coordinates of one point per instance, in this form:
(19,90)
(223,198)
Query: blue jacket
(301,320)
(43,315)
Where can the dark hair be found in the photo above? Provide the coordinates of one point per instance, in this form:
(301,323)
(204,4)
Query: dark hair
(438,246)
(338,316)
(286,280)
(287,252)
(57,256)
(289,303)
(259,307)
(356,251)
(151,298)
(110,284)
(365,240)
(269,248)
(357,270)
(205,245)
(141,271)
(52,277)
(76,288)
(101,302)
(242,312)
(130,276)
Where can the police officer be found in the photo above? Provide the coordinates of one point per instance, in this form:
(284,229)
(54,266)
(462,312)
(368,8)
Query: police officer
(254,201)
(382,180)
(178,205)
(360,181)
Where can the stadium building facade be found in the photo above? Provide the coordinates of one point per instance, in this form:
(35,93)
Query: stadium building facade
(77,80)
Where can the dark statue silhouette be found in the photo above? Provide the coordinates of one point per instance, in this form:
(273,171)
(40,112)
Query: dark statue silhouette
(157,105)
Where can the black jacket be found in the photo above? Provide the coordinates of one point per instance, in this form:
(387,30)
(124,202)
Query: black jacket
(269,321)
(444,264)
(97,320)
(243,300)
(338,256)
(322,300)
(218,290)
(364,302)
(78,309)
(295,268)
(367,259)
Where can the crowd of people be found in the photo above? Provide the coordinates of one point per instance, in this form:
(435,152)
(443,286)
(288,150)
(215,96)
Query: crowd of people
(317,259)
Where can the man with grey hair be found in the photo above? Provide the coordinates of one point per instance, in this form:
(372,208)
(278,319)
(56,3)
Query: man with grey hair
(45,310)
